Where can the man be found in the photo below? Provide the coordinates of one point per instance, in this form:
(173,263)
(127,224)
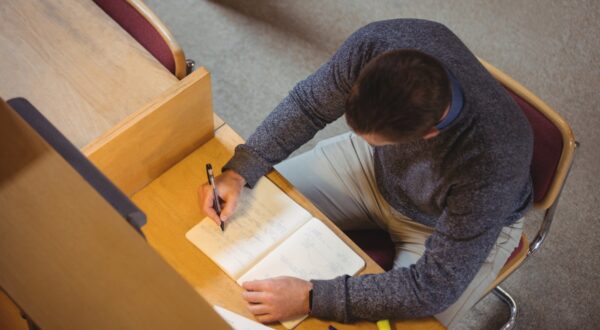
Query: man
(439,158)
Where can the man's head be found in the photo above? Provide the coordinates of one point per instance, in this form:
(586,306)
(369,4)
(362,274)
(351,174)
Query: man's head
(399,96)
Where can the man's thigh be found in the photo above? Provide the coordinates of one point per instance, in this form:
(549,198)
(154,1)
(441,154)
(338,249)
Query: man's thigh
(505,245)
(337,176)
(409,253)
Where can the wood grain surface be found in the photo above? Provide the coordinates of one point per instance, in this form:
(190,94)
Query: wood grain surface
(76,65)
(69,259)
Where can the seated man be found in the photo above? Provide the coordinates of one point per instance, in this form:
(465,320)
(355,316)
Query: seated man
(439,157)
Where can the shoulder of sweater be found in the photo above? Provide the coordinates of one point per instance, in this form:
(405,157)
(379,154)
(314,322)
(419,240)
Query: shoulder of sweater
(377,37)
(497,143)
(391,32)
(431,37)
(403,23)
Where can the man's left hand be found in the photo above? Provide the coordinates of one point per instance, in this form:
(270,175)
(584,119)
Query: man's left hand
(277,298)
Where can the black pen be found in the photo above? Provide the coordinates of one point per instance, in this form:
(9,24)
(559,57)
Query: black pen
(216,204)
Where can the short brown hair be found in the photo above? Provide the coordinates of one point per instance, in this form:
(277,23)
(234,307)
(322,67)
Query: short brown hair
(399,94)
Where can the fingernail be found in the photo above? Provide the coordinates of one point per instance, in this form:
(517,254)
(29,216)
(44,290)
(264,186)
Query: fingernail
(223,218)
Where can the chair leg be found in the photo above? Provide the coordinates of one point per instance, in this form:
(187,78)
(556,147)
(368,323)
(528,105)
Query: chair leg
(507,299)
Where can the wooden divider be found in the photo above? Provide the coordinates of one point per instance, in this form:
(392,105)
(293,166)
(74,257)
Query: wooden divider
(156,137)
(76,65)
(69,259)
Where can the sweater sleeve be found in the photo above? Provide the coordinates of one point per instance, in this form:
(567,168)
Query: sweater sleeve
(423,289)
(313,103)
(465,234)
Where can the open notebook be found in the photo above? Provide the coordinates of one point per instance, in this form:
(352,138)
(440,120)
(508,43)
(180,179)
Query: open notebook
(271,235)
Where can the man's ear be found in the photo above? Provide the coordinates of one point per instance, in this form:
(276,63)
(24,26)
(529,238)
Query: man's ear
(433,132)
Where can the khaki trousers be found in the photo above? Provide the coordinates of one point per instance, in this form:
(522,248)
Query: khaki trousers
(338,177)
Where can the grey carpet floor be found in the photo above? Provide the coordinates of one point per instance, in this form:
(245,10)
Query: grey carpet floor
(257,50)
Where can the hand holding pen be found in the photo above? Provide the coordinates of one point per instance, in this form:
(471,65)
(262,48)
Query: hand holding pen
(216,203)
(228,187)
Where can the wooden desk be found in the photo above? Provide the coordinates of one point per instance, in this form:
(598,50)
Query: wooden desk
(171,204)
(67,256)
(101,88)
(72,60)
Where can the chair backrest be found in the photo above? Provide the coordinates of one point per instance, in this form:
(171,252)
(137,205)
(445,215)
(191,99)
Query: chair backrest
(547,148)
(141,23)
(554,142)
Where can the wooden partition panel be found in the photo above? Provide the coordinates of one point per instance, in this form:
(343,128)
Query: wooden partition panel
(69,259)
(151,140)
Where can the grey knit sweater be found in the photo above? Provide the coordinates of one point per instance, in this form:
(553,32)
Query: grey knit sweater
(467,183)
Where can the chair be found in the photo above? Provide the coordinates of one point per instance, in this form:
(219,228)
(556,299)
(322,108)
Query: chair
(553,152)
(144,26)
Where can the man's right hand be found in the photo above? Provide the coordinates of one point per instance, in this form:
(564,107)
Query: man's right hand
(229,185)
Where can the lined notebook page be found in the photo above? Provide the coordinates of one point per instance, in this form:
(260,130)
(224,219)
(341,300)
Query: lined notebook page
(312,252)
(265,216)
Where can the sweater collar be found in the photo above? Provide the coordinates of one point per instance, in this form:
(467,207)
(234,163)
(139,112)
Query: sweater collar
(456,104)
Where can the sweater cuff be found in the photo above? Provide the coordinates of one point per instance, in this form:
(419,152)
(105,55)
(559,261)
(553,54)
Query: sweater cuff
(330,299)
(248,164)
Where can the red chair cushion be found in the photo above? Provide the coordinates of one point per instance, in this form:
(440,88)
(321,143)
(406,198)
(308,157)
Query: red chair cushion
(377,244)
(547,148)
(140,29)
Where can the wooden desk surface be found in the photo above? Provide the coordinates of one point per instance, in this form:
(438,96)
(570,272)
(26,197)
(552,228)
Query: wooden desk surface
(171,204)
(76,65)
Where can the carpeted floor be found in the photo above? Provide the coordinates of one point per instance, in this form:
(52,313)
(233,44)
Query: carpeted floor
(257,50)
